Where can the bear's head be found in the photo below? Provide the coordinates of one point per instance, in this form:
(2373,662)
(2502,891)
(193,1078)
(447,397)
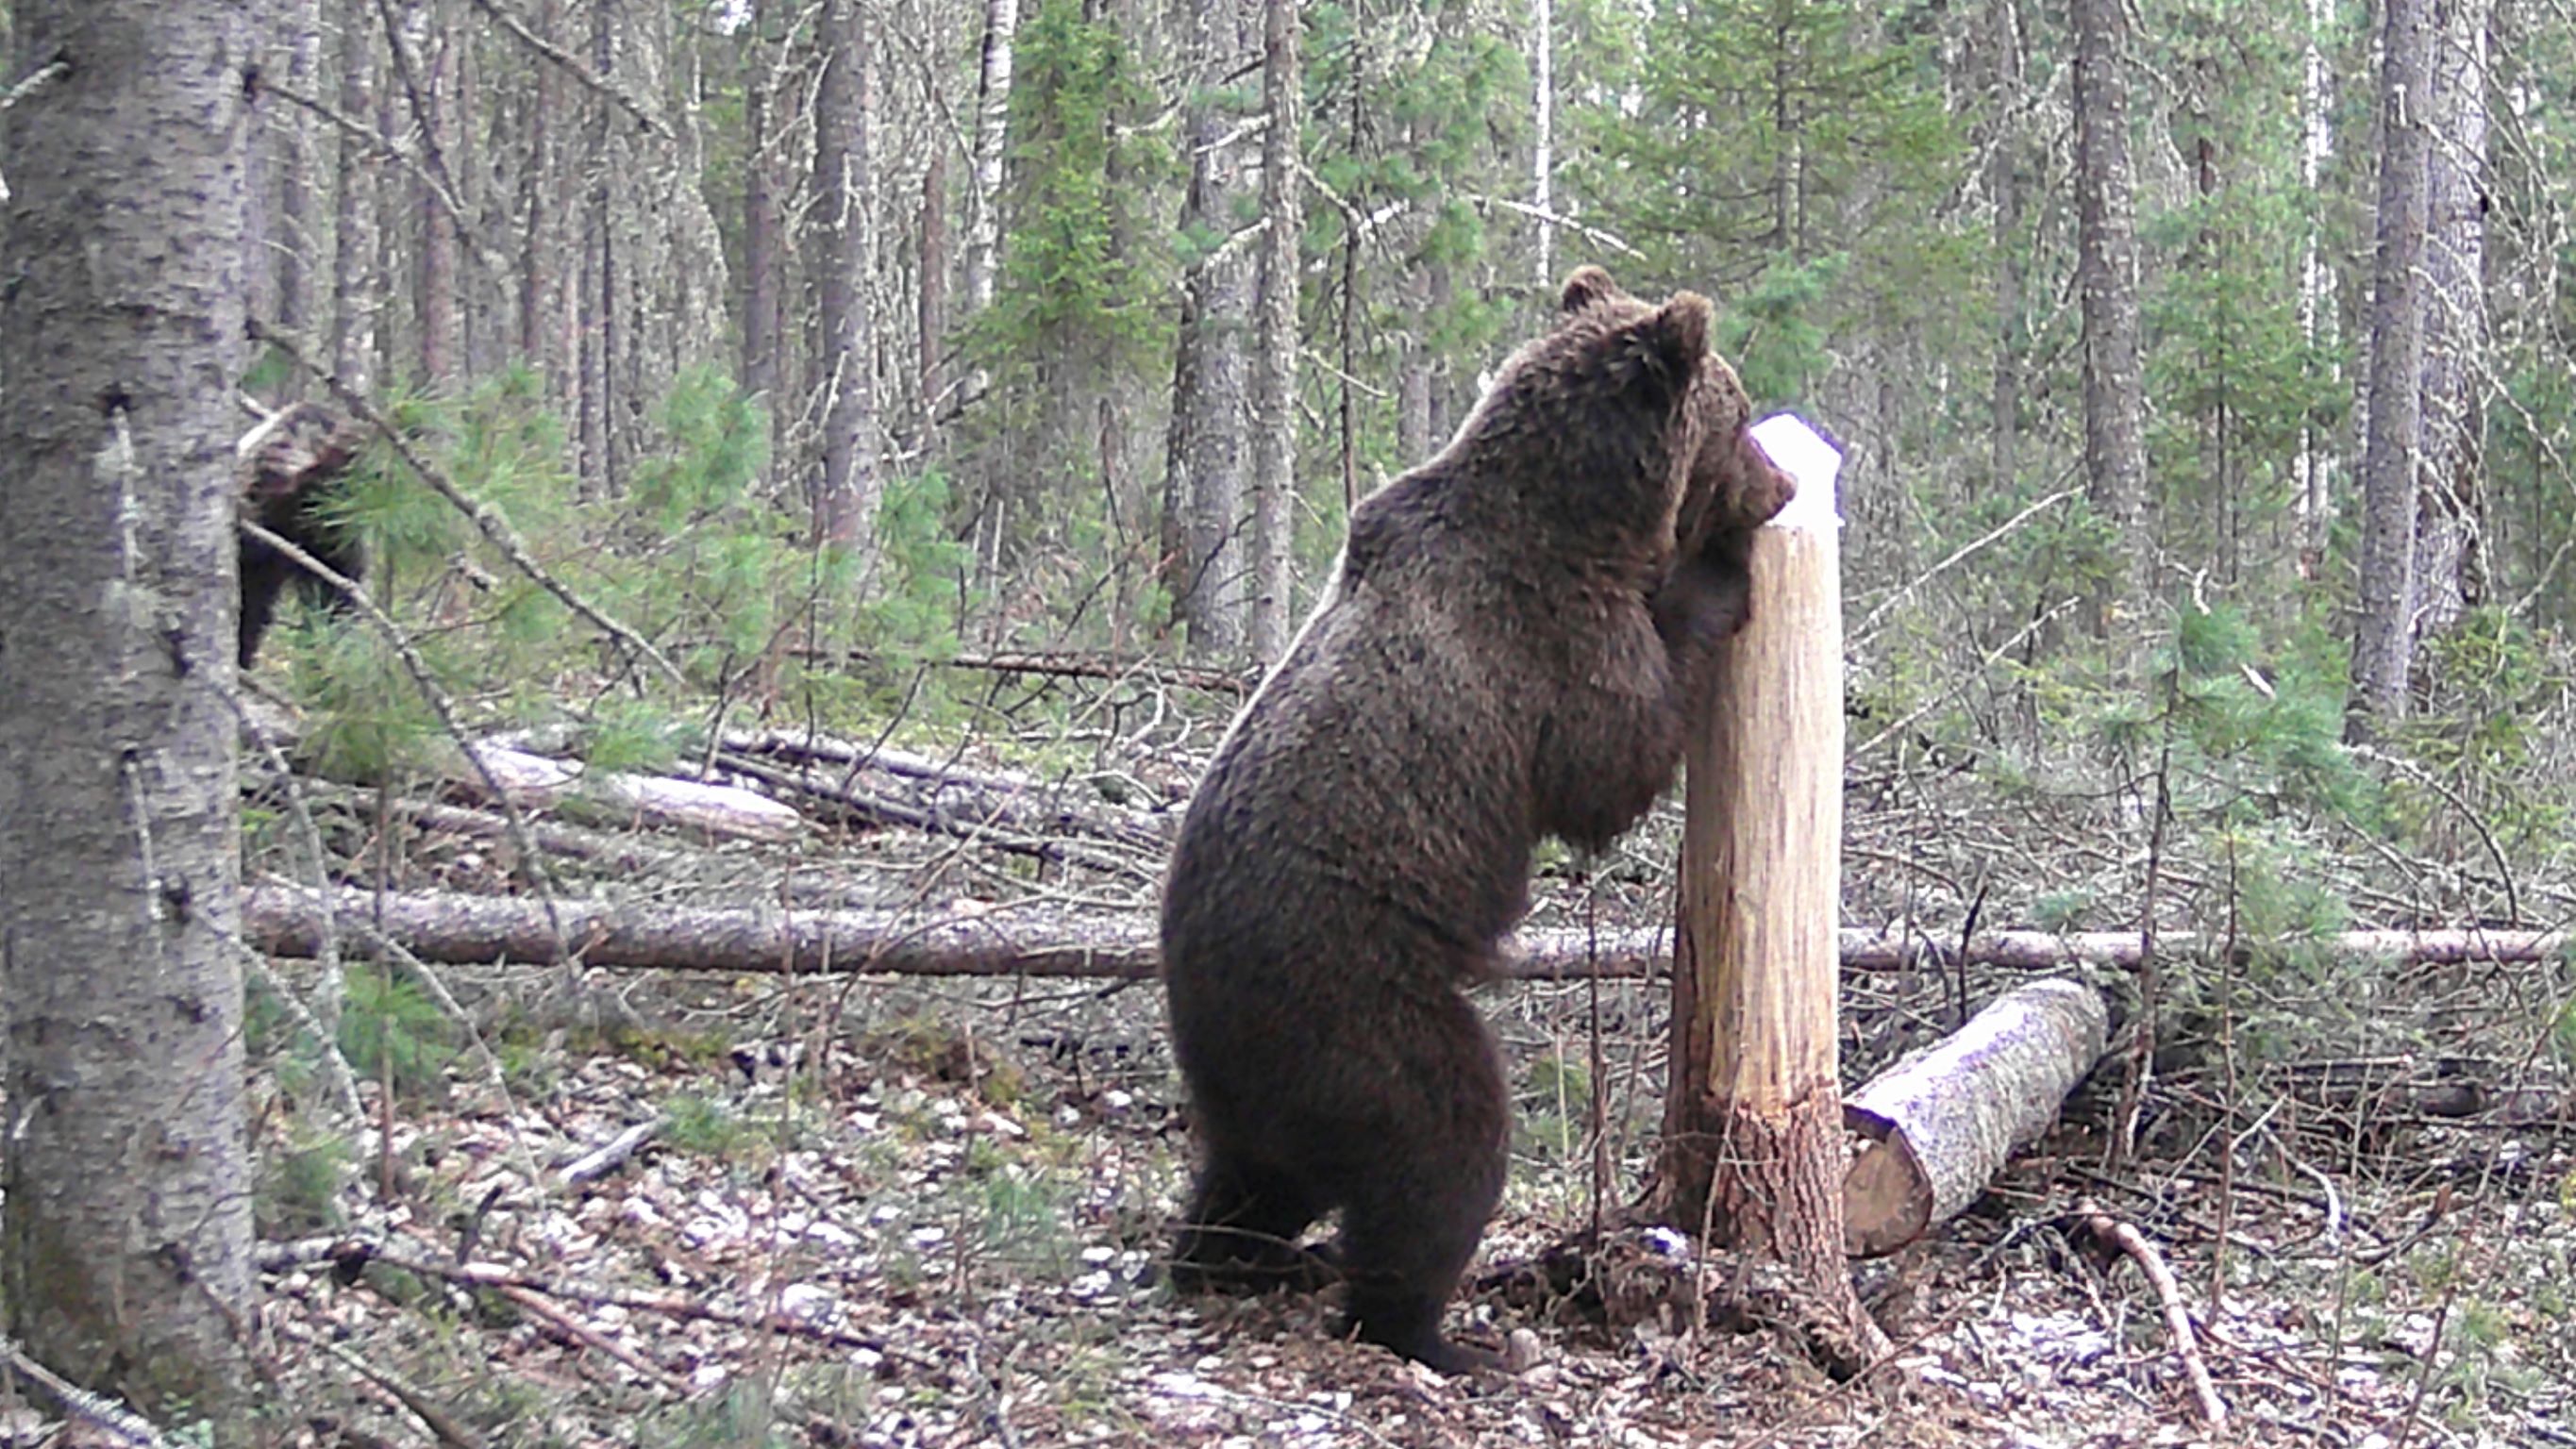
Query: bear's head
(1734,486)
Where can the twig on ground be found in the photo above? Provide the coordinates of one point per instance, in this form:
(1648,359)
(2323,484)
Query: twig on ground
(620,1150)
(2124,1236)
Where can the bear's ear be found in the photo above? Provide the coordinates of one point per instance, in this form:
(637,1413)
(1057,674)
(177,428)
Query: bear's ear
(1584,287)
(1676,336)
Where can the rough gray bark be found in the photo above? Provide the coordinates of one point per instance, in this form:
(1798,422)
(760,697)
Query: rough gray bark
(126,1245)
(760,219)
(541,219)
(2449,562)
(845,496)
(294,232)
(2106,271)
(1204,544)
(1946,1118)
(1274,362)
(353,268)
(2383,650)
(2003,184)
(441,328)
(597,312)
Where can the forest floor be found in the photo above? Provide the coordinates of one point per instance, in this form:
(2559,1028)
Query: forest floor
(926,1212)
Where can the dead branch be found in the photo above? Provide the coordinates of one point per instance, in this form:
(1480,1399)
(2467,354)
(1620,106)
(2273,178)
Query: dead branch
(892,787)
(124,1423)
(2129,1240)
(620,1150)
(349,1257)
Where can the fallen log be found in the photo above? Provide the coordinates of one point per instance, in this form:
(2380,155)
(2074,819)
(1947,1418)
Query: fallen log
(2050,950)
(471,929)
(535,780)
(1943,1120)
(933,794)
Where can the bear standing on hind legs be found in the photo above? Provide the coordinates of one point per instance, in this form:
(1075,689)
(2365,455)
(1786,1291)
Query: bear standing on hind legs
(294,463)
(1506,653)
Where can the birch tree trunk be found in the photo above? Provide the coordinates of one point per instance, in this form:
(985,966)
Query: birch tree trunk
(2449,568)
(845,497)
(2313,506)
(1543,151)
(126,1245)
(2106,270)
(353,225)
(2384,641)
(992,128)
(1274,364)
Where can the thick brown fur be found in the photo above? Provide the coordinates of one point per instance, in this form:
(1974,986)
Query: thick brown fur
(1506,653)
(296,466)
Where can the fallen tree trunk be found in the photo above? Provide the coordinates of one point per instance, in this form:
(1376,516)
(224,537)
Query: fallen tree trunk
(535,780)
(471,929)
(903,788)
(2049,950)
(1945,1119)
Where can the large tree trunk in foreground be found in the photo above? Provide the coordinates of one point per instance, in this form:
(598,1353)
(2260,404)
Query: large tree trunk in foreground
(126,1250)
(2383,646)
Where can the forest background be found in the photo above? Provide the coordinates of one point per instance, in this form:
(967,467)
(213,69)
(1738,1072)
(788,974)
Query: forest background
(2206,373)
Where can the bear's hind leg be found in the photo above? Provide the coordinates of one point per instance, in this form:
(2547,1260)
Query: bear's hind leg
(1241,1231)
(1410,1226)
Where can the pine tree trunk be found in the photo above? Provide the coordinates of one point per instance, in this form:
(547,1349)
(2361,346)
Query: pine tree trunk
(597,325)
(541,219)
(760,219)
(845,496)
(1274,363)
(2106,268)
(126,1251)
(2383,643)
(2003,182)
(295,229)
(2449,571)
(353,266)
(1204,546)
(440,328)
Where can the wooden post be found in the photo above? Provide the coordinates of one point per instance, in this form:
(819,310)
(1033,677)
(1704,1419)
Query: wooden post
(1753,1130)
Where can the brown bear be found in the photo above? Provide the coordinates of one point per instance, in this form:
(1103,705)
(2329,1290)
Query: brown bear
(296,461)
(1506,652)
